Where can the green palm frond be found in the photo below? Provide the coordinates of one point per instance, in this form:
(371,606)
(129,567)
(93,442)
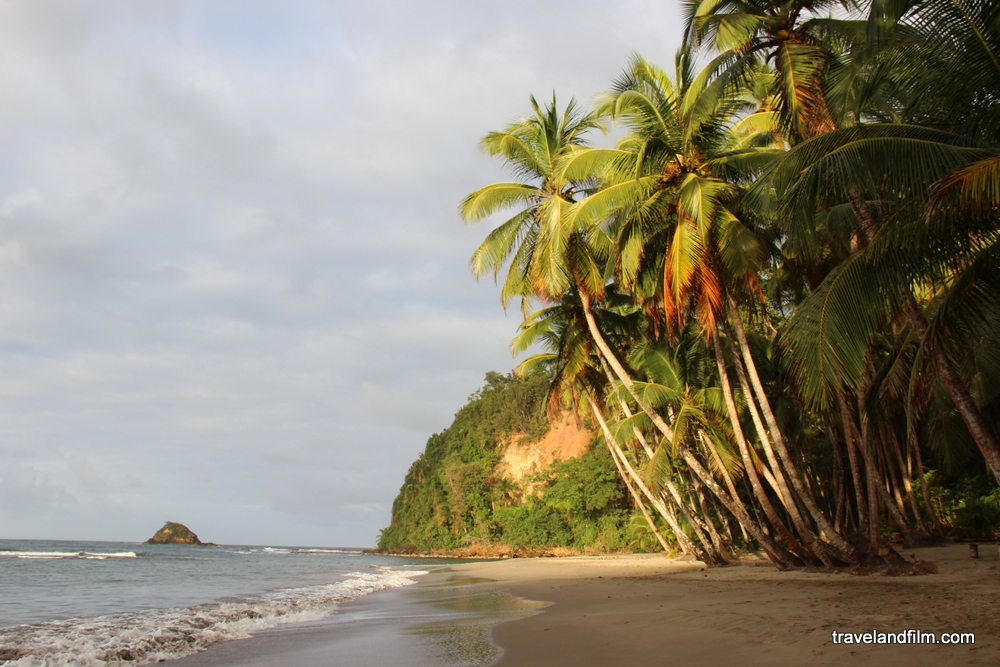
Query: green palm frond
(741,251)
(974,187)
(513,145)
(535,363)
(826,339)
(500,243)
(800,68)
(613,197)
(881,162)
(697,200)
(584,163)
(685,255)
(660,468)
(759,122)
(535,327)
(658,363)
(486,201)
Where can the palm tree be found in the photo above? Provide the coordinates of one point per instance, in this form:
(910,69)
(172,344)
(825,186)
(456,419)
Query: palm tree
(793,36)
(673,202)
(561,330)
(876,215)
(829,78)
(550,258)
(540,253)
(932,176)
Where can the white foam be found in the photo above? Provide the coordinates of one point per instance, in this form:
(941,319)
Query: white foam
(164,634)
(282,551)
(67,554)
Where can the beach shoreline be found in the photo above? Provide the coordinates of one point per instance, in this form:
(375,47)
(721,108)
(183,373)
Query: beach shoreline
(444,619)
(644,610)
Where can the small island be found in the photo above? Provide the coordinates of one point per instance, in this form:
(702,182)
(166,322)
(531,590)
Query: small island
(177,533)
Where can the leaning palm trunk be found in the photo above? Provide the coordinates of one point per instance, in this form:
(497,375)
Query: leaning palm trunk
(861,501)
(746,455)
(612,360)
(623,404)
(839,546)
(777,479)
(697,525)
(711,551)
(985,440)
(735,507)
(905,465)
(702,528)
(885,481)
(981,433)
(728,479)
(732,504)
(872,483)
(713,533)
(925,491)
(687,546)
(841,514)
(636,498)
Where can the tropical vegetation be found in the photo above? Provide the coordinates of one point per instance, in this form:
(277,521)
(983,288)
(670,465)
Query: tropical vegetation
(777,296)
(457,499)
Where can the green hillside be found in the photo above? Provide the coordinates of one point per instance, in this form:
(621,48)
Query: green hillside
(454,499)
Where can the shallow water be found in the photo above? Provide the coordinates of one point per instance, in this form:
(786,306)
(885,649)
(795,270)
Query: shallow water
(461,638)
(442,621)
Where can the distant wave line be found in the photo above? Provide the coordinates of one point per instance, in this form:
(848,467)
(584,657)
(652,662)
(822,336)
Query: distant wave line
(86,555)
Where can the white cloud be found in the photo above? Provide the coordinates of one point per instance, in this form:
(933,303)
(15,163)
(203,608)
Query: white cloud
(234,282)
(85,472)
(23,199)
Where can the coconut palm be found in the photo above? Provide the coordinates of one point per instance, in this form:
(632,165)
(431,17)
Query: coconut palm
(674,206)
(561,330)
(796,37)
(875,224)
(934,192)
(542,256)
(550,259)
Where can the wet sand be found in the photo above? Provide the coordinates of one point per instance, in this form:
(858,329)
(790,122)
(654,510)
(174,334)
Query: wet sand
(647,610)
(442,621)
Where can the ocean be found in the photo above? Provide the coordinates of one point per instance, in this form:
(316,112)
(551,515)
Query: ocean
(123,603)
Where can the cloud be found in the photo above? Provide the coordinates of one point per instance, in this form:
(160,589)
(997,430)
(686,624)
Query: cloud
(235,285)
(85,473)
(24,492)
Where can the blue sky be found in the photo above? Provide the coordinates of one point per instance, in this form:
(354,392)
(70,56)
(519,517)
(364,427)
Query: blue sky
(234,285)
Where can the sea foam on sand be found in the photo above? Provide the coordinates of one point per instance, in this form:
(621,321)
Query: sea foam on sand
(155,635)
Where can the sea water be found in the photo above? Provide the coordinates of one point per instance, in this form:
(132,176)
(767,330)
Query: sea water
(117,603)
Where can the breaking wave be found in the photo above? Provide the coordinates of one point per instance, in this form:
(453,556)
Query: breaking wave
(164,634)
(66,554)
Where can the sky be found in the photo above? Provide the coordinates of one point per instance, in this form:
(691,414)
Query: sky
(234,286)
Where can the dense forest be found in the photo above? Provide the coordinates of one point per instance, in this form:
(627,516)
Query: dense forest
(456,499)
(776,296)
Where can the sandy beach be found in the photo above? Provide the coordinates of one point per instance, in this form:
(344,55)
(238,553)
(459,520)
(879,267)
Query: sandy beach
(648,610)
(644,610)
